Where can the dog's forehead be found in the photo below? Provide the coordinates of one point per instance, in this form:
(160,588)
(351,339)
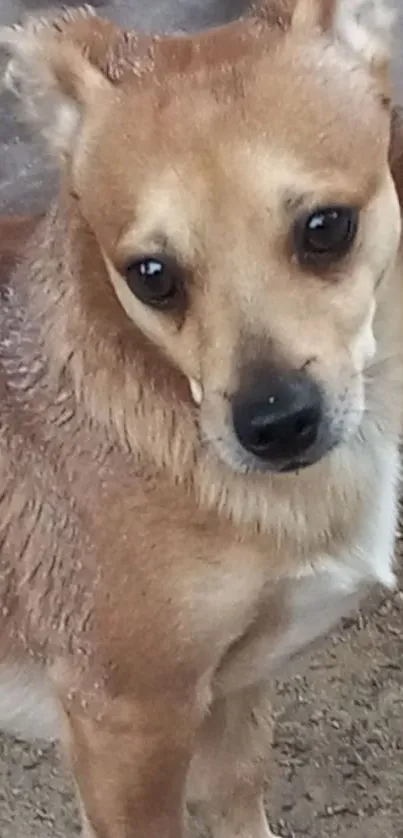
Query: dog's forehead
(309,97)
(283,120)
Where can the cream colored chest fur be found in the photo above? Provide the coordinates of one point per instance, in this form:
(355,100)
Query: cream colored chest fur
(325,591)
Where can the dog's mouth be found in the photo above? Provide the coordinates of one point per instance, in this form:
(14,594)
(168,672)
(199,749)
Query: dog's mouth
(226,446)
(280,456)
(242,462)
(294,466)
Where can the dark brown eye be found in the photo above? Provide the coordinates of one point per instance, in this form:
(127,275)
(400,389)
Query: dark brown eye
(326,235)
(153,280)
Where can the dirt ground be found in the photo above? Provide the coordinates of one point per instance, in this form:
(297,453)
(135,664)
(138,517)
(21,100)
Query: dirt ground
(339,735)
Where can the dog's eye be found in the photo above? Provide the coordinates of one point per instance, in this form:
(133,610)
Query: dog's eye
(153,280)
(326,235)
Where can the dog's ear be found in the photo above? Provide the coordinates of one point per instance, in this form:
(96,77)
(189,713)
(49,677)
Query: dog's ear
(364,26)
(52,78)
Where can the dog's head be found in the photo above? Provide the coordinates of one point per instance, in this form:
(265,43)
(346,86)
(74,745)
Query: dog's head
(237,185)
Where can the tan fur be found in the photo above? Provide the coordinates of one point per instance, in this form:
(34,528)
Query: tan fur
(151,579)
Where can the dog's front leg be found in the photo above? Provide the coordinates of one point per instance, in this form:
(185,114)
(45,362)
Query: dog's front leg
(230,766)
(130,761)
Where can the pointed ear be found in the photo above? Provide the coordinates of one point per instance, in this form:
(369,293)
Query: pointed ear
(52,78)
(364,26)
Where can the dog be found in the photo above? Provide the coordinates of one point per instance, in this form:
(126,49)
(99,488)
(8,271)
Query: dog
(201,393)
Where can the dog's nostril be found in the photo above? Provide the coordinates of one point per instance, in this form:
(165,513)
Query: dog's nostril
(302,426)
(259,439)
(306,422)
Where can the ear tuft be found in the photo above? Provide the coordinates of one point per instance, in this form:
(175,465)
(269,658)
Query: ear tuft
(55,20)
(50,76)
(366,26)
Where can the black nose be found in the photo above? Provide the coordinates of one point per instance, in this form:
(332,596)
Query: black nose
(279,421)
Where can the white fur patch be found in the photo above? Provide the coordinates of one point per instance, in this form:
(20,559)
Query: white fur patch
(196,391)
(329,588)
(364,347)
(334,585)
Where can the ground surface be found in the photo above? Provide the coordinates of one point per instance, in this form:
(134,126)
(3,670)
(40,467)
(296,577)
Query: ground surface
(339,737)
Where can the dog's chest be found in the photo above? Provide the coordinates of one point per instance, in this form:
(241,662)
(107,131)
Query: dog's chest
(310,604)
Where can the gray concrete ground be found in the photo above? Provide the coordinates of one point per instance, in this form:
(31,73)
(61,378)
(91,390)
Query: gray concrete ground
(339,745)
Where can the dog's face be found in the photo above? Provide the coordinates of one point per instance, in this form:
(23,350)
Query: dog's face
(247,219)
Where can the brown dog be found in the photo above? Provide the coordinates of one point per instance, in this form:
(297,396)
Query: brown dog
(201,393)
